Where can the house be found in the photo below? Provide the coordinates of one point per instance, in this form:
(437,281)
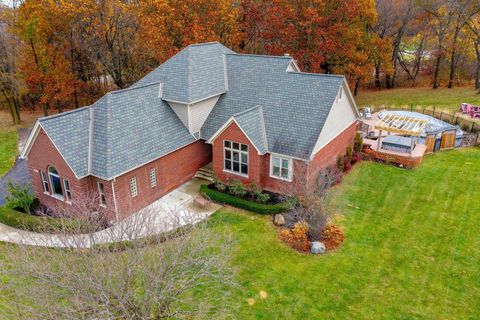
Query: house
(256,118)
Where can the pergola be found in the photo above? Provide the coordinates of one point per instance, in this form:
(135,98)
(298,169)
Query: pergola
(400,124)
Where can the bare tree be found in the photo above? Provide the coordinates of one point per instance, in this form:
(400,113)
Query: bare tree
(127,271)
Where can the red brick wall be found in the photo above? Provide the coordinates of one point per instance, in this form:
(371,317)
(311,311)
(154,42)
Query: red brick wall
(304,172)
(327,156)
(255,161)
(172,170)
(44,154)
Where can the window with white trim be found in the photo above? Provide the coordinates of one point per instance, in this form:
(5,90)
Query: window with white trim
(55,183)
(101,193)
(235,157)
(281,167)
(133,187)
(152,174)
(66,188)
(44,182)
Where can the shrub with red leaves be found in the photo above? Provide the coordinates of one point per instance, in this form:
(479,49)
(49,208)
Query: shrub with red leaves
(346,165)
(296,237)
(356,157)
(332,237)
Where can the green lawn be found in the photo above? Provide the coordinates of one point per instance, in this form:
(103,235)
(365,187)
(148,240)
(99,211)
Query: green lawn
(412,249)
(443,99)
(8,149)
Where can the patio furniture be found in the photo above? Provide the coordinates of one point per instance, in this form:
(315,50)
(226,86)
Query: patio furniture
(465,108)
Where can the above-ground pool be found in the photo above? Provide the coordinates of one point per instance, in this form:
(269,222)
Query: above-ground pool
(434,127)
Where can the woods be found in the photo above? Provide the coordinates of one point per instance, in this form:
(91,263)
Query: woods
(58,54)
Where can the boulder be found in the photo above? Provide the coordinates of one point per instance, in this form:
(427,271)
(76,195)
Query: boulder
(279,220)
(317,247)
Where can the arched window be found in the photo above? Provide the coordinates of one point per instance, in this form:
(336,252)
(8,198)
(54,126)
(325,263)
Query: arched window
(55,182)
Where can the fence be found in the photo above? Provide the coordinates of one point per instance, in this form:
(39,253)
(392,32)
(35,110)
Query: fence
(466,125)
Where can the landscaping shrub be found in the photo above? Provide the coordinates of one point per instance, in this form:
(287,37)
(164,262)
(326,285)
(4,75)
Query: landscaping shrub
(232,200)
(219,185)
(340,163)
(237,189)
(349,153)
(347,164)
(356,157)
(24,221)
(332,237)
(358,143)
(20,197)
(296,237)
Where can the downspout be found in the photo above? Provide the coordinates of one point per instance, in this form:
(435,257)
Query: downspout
(114,199)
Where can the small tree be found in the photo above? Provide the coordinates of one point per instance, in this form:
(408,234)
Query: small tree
(349,153)
(19,196)
(358,143)
(340,163)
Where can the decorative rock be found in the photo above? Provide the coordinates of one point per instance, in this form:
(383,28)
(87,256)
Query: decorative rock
(317,247)
(279,220)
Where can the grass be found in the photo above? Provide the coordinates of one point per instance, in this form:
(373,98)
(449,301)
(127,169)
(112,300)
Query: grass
(411,250)
(8,149)
(443,99)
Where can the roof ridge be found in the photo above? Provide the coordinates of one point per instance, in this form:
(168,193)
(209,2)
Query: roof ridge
(319,74)
(65,113)
(246,111)
(264,129)
(249,55)
(133,88)
(189,75)
(203,44)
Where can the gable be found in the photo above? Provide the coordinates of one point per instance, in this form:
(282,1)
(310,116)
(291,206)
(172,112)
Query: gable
(231,130)
(342,114)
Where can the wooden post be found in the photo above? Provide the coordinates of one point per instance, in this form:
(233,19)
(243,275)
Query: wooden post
(411,146)
(441,114)
(473,126)
(379,138)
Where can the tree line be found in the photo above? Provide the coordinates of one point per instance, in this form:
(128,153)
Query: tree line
(63,54)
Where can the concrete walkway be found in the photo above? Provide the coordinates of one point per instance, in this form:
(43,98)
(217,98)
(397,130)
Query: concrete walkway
(174,210)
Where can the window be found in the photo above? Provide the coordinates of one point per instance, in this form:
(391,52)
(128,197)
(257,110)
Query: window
(133,187)
(44,182)
(153,177)
(101,193)
(235,157)
(281,168)
(55,183)
(66,187)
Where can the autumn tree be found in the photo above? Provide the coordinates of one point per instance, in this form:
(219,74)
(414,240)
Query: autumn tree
(11,84)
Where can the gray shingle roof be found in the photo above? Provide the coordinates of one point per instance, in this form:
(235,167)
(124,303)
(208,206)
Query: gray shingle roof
(130,127)
(134,126)
(193,74)
(295,105)
(251,122)
(69,132)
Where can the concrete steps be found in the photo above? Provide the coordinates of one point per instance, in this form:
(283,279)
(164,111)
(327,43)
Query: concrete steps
(205,173)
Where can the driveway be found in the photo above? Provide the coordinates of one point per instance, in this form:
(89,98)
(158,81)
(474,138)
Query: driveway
(19,172)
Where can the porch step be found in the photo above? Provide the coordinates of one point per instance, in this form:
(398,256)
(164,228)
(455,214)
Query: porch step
(205,173)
